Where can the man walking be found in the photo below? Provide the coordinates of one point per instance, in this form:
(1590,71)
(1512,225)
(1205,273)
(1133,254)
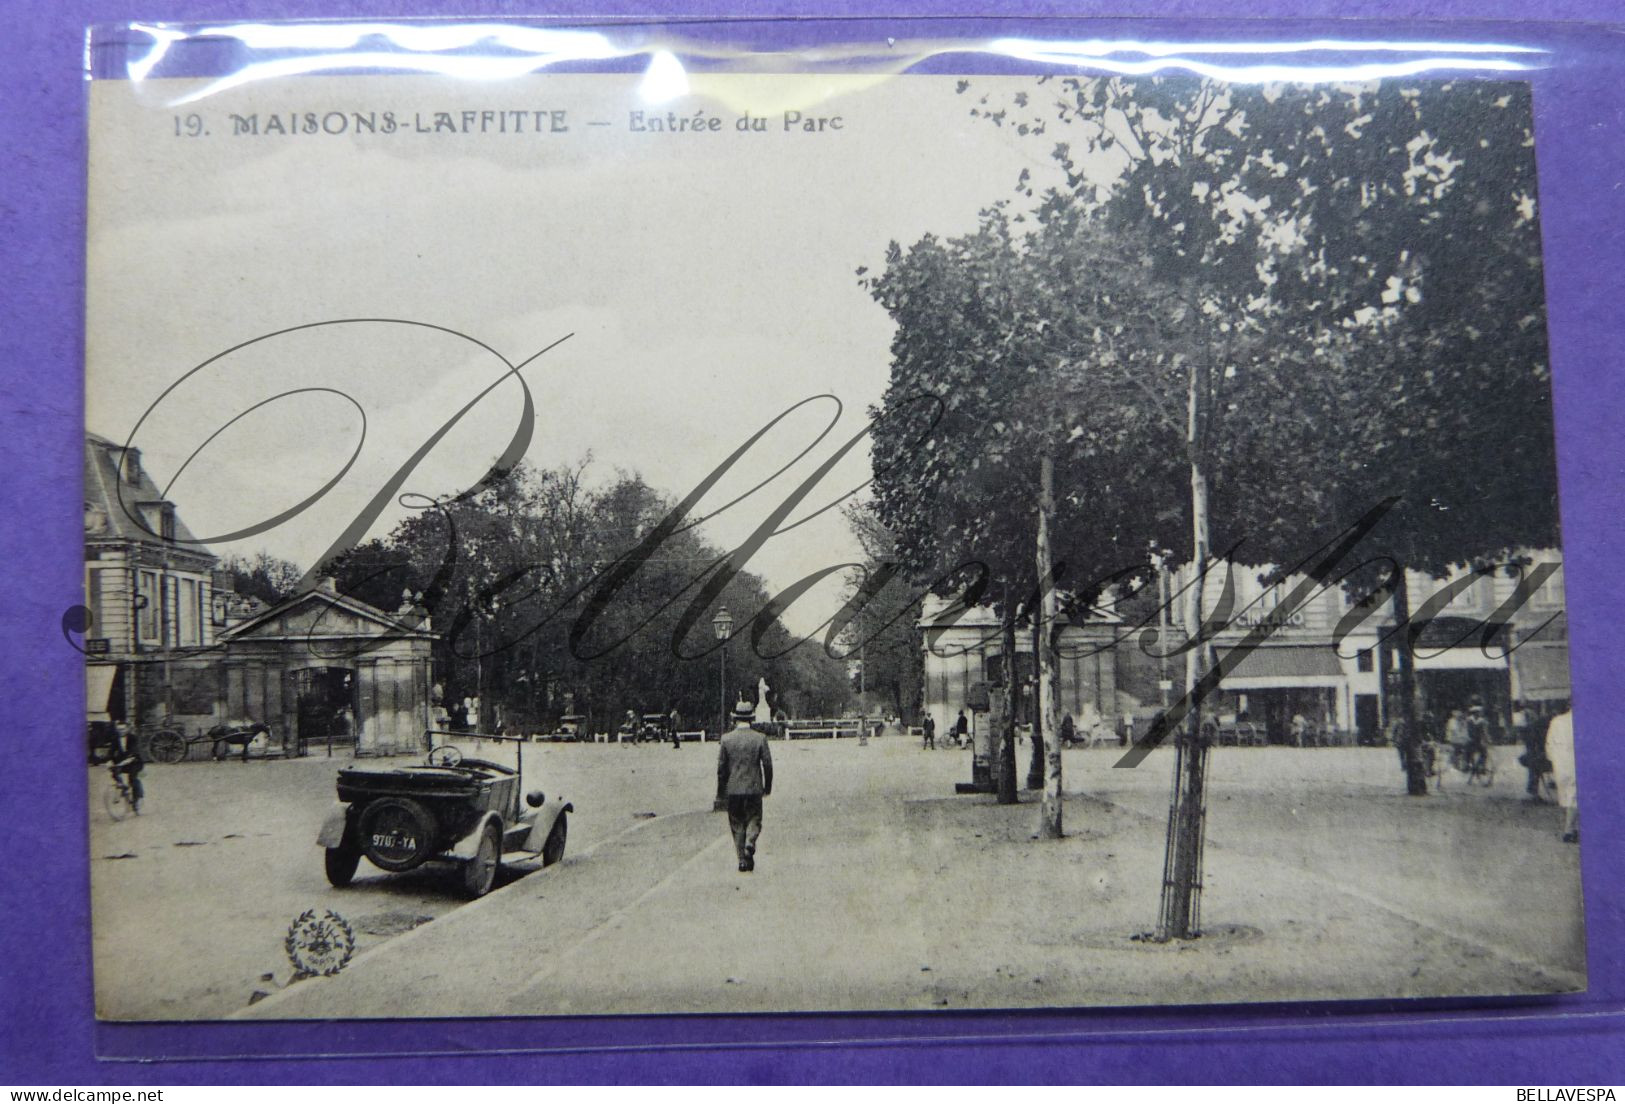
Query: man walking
(930,729)
(1478,734)
(744,777)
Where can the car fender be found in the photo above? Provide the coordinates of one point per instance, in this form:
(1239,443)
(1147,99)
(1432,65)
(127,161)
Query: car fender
(547,816)
(334,826)
(468,844)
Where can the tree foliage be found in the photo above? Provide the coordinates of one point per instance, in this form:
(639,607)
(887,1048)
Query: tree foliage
(884,633)
(1363,263)
(262,575)
(505,572)
(1011,342)
(1245,313)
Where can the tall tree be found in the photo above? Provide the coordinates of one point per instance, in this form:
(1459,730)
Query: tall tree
(1451,410)
(1291,221)
(886,618)
(948,465)
(1176,163)
(1036,342)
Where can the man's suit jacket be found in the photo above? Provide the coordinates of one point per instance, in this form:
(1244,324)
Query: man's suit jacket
(744,764)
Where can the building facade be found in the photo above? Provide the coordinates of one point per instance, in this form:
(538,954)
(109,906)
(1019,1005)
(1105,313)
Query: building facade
(169,643)
(1329,671)
(149,587)
(1519,671)
(326,670)
(963,669)
(1326,673)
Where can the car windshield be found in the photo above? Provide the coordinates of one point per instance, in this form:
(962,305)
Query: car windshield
(505,751)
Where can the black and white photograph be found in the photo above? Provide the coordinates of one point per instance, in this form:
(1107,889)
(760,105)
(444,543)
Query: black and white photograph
(703,541)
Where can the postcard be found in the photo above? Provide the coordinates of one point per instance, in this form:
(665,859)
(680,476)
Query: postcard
(697,540)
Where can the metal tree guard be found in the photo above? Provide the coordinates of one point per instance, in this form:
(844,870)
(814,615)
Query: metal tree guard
(1179,915)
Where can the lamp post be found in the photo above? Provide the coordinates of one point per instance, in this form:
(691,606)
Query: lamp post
(723,623)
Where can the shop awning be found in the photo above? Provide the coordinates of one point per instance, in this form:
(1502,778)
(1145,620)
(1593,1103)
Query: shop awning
(1470,657)
(1543,672)
(99,689)
(1286,665)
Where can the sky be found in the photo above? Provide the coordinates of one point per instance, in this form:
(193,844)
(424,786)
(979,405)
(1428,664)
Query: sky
(702,283)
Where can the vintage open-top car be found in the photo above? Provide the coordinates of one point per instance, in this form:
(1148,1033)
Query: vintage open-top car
(450,808)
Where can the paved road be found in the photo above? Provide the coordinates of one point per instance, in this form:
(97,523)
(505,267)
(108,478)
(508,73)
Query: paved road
(875,889)
(193,899)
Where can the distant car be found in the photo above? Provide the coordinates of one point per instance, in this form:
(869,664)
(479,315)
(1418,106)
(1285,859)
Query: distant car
(571,727)
(451,808)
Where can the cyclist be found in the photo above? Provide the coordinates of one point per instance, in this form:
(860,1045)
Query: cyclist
(126,761)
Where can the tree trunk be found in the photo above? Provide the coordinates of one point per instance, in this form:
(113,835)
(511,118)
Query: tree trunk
(1416,782)
(1035,761)
(1004,764)
(1046,718)
(1182,864)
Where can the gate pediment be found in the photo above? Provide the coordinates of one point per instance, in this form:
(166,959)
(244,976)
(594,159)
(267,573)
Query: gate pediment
(324,615)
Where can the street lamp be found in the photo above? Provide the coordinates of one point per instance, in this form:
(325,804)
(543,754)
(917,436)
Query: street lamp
(723,623)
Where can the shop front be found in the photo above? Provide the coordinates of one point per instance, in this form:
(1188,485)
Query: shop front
(1292,694)
(1541,685)
(104,692)
(1456,668)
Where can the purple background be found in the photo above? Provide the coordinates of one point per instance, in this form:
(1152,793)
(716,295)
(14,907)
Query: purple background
(51,1039)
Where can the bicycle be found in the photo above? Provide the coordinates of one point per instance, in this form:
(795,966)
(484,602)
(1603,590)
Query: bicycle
(1432,764)
(1473,761)
(120,796)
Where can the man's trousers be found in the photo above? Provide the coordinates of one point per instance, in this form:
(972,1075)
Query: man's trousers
(745,822)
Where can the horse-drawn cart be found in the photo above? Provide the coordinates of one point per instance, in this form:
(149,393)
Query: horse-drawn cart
(170,744)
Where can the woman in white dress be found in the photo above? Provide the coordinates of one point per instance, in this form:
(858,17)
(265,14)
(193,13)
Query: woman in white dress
(1560,750)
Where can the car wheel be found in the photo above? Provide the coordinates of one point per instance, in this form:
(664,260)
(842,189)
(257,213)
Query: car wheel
(341,863)
(480,872)
(553,849)
(397,833)
(166,747)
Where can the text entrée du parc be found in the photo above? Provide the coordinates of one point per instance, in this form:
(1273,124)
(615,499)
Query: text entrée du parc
(501,122)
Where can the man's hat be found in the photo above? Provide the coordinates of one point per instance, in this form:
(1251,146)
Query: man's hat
(743,710)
